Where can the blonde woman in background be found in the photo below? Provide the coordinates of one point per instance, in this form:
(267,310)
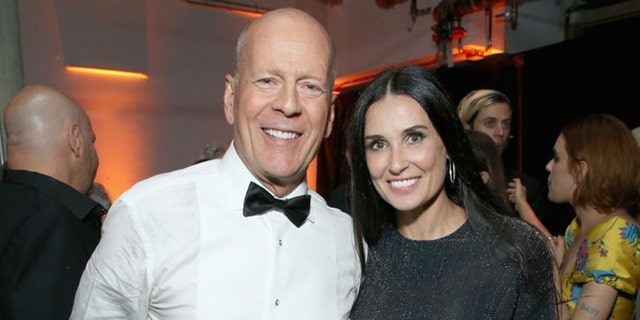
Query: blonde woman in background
(489,111)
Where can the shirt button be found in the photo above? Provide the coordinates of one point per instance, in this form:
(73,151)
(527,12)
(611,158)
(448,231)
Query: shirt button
(277,302)
(280,242)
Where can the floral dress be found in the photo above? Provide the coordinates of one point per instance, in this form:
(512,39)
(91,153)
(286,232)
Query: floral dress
(609,255)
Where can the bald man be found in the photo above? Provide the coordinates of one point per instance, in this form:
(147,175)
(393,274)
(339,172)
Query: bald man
(48,226)
(205,242)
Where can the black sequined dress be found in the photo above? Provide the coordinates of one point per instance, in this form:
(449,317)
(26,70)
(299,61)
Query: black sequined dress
(456,277)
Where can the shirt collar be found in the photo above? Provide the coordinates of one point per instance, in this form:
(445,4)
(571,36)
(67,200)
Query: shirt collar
(234,173)
(79,204)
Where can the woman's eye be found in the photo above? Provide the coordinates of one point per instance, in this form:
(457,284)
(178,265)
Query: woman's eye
(415,138)
(489,124)
(376,145)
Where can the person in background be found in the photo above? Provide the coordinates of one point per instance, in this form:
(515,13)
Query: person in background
(596,168)
(100,195)
(635,132)
(440,244)
(489,111)
(517,194)
(241,237)
(210,151)
(490,163)
(48,226)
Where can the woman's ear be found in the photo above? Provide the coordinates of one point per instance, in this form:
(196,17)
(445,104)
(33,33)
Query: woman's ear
(584,169)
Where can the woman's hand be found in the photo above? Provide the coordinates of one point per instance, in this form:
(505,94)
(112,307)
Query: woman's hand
(517,194)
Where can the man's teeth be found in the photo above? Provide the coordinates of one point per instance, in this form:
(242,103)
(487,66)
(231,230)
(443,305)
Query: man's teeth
(403,183)
(281,134)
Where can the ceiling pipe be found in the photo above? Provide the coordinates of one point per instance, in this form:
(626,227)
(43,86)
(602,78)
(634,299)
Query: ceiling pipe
(414,12)
(232,6)
(454,9)
(388,4)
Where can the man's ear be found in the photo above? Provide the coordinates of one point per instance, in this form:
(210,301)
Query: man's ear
(229,97)
(74,135)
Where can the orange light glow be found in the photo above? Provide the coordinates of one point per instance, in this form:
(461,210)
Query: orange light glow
(312,173)
(474,52)
(245,13)
(108,72)
(237,8)
(121,164)
(469,52)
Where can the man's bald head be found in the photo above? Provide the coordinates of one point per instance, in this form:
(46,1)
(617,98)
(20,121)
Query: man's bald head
(49,133)
(36,111)
(289,20)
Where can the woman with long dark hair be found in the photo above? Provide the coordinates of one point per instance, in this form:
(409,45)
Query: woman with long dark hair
(441,245)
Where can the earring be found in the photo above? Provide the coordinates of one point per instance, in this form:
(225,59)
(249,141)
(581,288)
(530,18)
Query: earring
(452,171)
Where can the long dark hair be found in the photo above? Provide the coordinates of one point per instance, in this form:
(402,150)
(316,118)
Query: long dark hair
(485,209)
(490,160)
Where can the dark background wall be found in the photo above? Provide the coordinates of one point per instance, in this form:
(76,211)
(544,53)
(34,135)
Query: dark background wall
(569,80)
(549,87)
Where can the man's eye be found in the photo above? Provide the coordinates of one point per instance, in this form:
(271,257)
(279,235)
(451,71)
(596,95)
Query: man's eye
(312,90)
(265,83)
(312,86)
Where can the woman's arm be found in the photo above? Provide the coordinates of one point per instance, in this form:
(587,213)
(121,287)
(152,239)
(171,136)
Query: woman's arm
(518,195)
(595,302)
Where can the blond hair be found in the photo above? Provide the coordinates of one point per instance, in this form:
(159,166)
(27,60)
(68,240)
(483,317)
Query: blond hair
(477,100)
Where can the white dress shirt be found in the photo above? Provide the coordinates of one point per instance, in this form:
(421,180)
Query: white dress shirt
(176,246)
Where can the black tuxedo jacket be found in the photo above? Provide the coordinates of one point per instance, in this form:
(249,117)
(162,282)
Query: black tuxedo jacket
(48,231)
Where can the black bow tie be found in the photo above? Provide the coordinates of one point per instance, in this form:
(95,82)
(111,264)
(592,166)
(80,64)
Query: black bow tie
(259,200)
